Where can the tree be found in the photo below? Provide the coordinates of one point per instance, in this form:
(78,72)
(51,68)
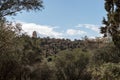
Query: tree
(11,7)
(30,50)
(34,34)
(72,65)
(104,63)
(9,60)
(11,46)
(106,71)
(112,23)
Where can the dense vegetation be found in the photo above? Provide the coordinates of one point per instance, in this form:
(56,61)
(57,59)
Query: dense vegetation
(31,58)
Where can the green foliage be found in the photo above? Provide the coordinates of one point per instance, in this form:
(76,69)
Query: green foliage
(106,54)
(71,65)
(104,64)
(11,7)
(30,50)
(43,72)
(108,71)
(9,67)
(112,22)
(9,60)
(15,57)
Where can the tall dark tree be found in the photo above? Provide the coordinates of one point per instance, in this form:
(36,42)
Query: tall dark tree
(112,23)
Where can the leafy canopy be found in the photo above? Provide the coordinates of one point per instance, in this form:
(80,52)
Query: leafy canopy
(11,7)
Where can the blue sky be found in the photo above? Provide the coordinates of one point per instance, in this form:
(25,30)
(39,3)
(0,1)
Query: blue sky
(64,18)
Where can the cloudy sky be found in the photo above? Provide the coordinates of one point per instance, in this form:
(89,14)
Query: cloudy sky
(71,19)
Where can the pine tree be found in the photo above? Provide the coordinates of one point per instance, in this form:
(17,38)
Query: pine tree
(112,23)
(11,7)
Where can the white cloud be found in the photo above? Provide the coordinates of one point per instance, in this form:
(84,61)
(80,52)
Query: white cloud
(43,30)
(47,30)
(75,32)
(92,37)
(90,26)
